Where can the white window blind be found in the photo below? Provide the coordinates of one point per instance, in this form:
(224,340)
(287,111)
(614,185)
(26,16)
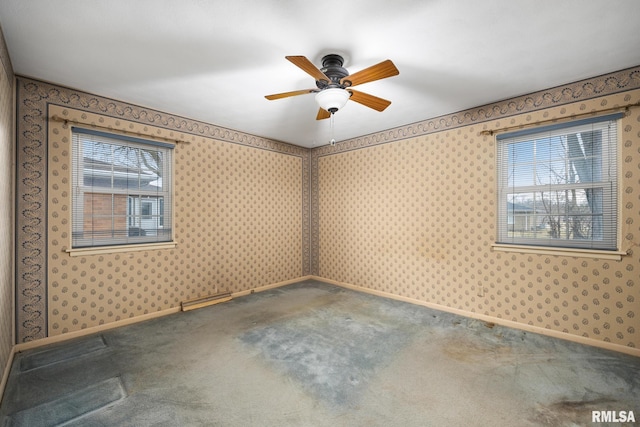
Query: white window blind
(121,190)
(558,185)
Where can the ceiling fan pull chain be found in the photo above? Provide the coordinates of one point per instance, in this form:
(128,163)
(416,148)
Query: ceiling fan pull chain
(333,141)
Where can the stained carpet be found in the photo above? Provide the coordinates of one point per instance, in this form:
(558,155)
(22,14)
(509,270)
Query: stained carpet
(313,354)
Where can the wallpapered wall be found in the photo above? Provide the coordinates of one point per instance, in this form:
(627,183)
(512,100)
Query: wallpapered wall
(240,203)
(416,217)
(238,226)
(6,204)
(409,211)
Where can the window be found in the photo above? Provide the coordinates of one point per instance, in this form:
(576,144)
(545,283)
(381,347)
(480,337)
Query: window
(121,190)
(557,185)
(147,208)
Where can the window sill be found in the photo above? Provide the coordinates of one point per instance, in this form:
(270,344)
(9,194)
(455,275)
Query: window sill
(121,248)
(548,250)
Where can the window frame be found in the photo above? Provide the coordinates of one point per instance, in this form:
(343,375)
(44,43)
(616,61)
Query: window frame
(571,247)
(126,242)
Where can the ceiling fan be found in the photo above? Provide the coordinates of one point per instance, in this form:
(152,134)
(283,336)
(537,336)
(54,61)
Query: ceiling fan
(334,84)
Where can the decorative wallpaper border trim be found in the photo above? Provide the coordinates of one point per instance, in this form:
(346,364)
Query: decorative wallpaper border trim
(596,87)
(33,100)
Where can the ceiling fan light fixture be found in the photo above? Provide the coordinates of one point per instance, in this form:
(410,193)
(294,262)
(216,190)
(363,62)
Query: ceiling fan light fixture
(332,99)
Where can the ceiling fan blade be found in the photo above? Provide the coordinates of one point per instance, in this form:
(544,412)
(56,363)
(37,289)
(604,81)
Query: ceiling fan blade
(323,114)
(375,72)
(288,94)
(370,101)
(308,67)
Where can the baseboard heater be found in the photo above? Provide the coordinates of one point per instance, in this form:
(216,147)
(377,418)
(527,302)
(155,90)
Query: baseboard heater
(192,304)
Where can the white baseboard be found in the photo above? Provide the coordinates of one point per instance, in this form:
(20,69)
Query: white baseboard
(498,321)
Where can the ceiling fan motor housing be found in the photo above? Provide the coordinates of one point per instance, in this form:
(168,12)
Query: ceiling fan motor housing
(332,68)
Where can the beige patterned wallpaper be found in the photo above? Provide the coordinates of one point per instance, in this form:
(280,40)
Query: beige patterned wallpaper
(228,237)
(7,86)
(409,211)
(238,227)
(241,203)
(415,217)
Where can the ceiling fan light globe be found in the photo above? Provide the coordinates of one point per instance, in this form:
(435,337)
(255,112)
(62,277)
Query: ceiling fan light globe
(332,99)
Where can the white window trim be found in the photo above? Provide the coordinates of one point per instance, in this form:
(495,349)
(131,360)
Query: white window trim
(98,250)
(552,250)
(577,252)
(119,248)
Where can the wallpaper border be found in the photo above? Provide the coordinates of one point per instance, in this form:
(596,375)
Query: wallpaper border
(595,87)
(33,100)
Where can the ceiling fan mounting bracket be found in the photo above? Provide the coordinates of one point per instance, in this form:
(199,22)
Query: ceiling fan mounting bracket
(332,68)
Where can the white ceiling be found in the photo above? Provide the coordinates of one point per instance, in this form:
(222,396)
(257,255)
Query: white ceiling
(215,60)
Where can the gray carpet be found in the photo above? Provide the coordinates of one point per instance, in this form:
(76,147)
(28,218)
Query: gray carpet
(312,354)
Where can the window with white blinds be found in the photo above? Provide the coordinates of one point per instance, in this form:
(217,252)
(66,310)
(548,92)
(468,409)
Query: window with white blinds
(558,185)
(121,190)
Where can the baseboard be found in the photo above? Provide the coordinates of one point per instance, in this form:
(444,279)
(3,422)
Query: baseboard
(129,321)
(94,329)
(6,372)
(272,286)
(498,321)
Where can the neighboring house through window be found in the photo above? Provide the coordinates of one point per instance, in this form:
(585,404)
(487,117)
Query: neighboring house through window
(121,189)
(558,185)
